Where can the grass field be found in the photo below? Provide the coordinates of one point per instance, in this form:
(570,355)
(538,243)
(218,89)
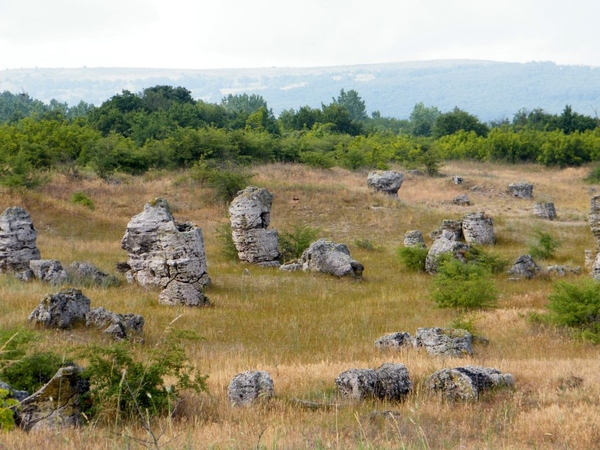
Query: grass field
(305,329)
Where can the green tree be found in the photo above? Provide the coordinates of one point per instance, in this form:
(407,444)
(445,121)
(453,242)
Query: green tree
(422,119)
(456,120)
(353,103)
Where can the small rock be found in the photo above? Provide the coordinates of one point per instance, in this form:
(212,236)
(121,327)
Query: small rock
(544,210)
(444,342)
(357,384)
(49,271)
(394,341)
(64,309)
(388,182)
(247,387)
(467,383)
(524,267)
(461,200)
(414,238)
(521,190)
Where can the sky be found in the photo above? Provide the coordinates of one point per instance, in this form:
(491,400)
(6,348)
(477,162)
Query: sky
(212,34)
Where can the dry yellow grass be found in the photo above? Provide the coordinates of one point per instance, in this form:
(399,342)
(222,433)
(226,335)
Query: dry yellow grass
(305,329)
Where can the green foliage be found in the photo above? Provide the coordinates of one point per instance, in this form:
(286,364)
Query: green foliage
(12,345)
(366,244)
(456,120)
(593,176)
(293,243)
(81,198)
(7,419)
(463,322)
(412,258)
(31,372)
(317,159)
(353,103)
(577,306)
(493,262)
(226,180)
(463,286)
(228,248)
(124,387)
(543,245)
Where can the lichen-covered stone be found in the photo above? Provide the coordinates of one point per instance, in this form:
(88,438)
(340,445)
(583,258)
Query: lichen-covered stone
(524,267)
(247,387)
(120,326)
(328,257)
(414,238)
(48,270)
(444,341)
(64,309)
(478,229)
(357,384)
(444,244)
(17,240)
(452,226)
(544,210)
(388,181)
(521,190)
(461,200)
(392,382)
(563,270)
(394,341)
(467,383)
(85,273)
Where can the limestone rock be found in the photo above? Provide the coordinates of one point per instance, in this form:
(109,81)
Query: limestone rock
(357,384)
(414,238)
(594,217)
(13,393)
(467,383)
(387,181)
(48,270)
(328,257)
(444,342)
(394,341)
(64,309)
(250,216)
(478,229)
(392,382)
(57,404)
(453,226)
(85,273)
(17,240)
(445,244)
(120,326)
(248,387)
(167,255)
(461,200)
(544,210)
(563,270)
(521,190)
(524,267)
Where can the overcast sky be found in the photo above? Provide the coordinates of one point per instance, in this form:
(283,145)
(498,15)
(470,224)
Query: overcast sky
(207,34)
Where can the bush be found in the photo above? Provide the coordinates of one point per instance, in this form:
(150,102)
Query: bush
(543,245)
(463,286)
(7,419)
(293,243)
(228,248)
(491,261)
(412,258)
(32,372)
(226,181)
(81,198)
(366,244)
(577,307)
(594,176)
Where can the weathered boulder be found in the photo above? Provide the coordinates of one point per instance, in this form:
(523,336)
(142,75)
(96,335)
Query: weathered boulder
(17,240)
(467,383)
(453,226)
(250,216)
(563,270)
(444,244)
(57,404)
(328,257)
(461,200)
(48,270)
(444,341)
(544,210)
(521,190)
(247,387)
(524,267)
(387,181)
(594,218)
(392,382)
(394,341)
(414,238)
(87,274)
(13,393)
(120,326)
(64,309)
(167,255)
(357,384)
(478,229)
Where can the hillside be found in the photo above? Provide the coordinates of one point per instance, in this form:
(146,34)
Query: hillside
(490,90)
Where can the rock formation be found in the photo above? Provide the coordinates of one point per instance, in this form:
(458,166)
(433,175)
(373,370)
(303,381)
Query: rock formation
(394,341)
(478,229)
(250,216)
(357,384)
(167,255)
(388,382)
(17,240)
(467,383)
(444,342)
(453,226)
(120,326)
(524,267)
(387,181)
(444,244)
(521,190)
(414,238)
(48,270)
(461,200)
(544,210)
(64,309)
(248,387)
(85,273)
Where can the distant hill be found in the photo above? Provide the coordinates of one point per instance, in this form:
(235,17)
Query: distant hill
(490,90)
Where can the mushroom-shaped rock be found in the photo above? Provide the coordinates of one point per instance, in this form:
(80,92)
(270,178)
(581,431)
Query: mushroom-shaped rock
(250,216)
(357,384)
(57,404)
(394,341)
(414,238)
(64,309)
(521,190)
(17,240)
(328,257)
(445,244)
(478,229)
(118,325)
(467,383)
(524,267)
(167,255)
(544,210)
(387,181)
(392,382)
(48,270)
(444,341)
(247,387)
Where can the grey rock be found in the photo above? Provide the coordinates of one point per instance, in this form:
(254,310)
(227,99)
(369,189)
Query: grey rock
(64,309)
(478,229)
(13,393)
(387,181)
(563,270)
(457,180)
(445,244)
(247,387)
(461,200)
(394,341)
(392,382)
(293,266)
(444,341)
(521,190)
(414,238)
(544,210)
(120,326)
(167,255)
(328,257)
(467,383)
(524,267)
(57,404)
(49,271)
(17,240)
(594,217)
(258,245)
(85,273)
(453,226)
(357,384)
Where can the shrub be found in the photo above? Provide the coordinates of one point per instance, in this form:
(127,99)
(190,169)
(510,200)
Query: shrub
(293,243)
(543,245)
(577,307)
(492,261)
(228,248)
(463,286)
(12,345)
(226,181)
(32,372)
(366,244)
(81,198)
(7,419)
(412,258)
(594,176)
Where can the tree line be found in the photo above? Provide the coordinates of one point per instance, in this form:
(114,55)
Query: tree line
(164,127)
